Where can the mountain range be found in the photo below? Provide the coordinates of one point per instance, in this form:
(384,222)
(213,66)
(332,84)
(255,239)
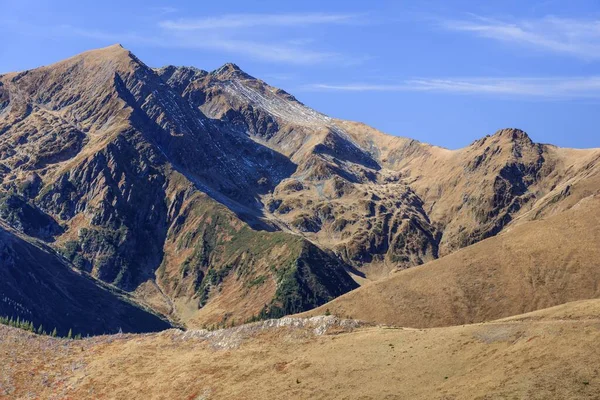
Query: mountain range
(193,199)
(210,236)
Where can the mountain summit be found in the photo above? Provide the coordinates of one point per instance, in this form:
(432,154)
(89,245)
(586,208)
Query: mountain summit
(214,198)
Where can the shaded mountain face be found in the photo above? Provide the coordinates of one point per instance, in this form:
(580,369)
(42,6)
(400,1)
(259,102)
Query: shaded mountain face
(38,286)
(214,198)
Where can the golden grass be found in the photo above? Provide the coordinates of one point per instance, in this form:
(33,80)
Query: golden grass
(531,266)
(534,357)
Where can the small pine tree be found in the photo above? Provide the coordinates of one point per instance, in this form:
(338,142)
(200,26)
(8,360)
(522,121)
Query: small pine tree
(40,329)
(70,334)
(54,333)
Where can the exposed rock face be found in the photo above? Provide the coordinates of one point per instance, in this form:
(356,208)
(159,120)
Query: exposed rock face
(215,198)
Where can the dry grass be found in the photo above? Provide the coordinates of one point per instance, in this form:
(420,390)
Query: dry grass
(535,358)
(531,266)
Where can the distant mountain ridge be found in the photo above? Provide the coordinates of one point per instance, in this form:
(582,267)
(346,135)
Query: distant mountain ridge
(214,198)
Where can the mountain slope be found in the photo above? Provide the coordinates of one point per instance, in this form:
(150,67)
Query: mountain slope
(215,198)
(552,354)
(351,179)
(150,194)
(531,266)
(38,286)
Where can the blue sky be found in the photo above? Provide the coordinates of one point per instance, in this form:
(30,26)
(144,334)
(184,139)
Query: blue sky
(444,72)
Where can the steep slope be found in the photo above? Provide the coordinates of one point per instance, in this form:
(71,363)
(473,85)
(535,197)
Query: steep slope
(149,194)
(497,179)
(216,198)
(382,202)
(339,196)
(531,266)
(38,286)
(548,357)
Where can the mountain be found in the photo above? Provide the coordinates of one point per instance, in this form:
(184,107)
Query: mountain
(381,202)
(532,266)
(213,198)
(545,355)
(36,285)
(144,192)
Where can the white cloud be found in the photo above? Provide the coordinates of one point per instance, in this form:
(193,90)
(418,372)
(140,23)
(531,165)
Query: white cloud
(108,37)
(271,52)
(228,34)
(277,76)
(547,88)
(237,21)
(276,52)
(576,37)
(164,10)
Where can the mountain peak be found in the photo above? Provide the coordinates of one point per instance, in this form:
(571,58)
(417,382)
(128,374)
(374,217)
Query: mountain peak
(115,56)
(505,136)
(230,70)
(229,67)
(512,134)
(108,51)
(169,71)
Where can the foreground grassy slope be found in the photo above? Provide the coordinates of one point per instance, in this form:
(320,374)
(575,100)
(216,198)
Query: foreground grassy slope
(531,266)
(534,357)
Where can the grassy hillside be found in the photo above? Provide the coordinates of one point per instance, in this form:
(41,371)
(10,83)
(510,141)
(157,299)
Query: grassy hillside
(531,266)
(534,358)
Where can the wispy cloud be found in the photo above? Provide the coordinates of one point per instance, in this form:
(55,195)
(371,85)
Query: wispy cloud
(277,76)
(576,37)
(543,88)
(164,10)
(252,35)
(228,34)
(237,21)
(275,52)
(109,37)
(272,52)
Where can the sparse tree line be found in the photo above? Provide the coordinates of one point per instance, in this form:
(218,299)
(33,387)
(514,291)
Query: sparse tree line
(28,326)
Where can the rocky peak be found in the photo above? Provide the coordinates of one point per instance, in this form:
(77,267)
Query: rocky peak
(177,72)
(510,139)
(513,135)
(179,77)
(115,54)
(230,70)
